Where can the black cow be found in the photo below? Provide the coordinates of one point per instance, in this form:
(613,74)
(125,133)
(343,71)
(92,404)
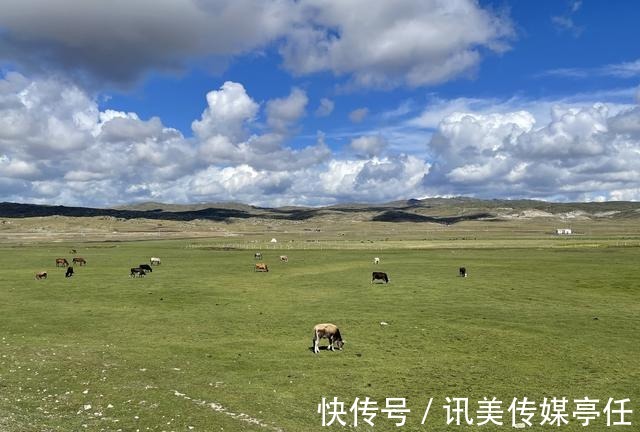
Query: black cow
(145,267)
(379,276)
(69,272)
(137,271)
(463,272)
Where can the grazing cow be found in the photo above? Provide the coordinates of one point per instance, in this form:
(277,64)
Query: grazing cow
(327,331)
(257,255)
(69,272)
(261,267)
(137,271)
(284,258)
(376,260)
(62,262)
(79,260)
(463,272)
(145,267)
(379,276)
(41,275)
(72,251)
(155,261)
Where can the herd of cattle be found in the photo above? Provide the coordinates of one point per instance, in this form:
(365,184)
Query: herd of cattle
(143,269)
(262,267)
(62,262)
(139,271)
(320,331)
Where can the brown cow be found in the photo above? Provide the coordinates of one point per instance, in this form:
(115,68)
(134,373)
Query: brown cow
(41,275)
(262,267)
(284,258)
(79,260)
(328,331)
(62,262)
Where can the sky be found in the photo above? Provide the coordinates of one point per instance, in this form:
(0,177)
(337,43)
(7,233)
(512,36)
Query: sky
(318,102)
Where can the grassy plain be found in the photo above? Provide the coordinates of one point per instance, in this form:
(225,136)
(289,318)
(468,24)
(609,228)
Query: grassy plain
(206,344)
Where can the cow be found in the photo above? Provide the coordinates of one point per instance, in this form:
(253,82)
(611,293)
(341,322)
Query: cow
(462,272)
(376,260)
(155,261)
(137,271)
(145,267)
(62,262)
(284,258)
(79,260)
(262,267)
(379,276)
(327,331)
(69,272)
(257,255)
(72,251)
(41,275)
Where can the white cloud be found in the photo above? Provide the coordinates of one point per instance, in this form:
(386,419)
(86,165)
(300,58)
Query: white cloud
(59,148)
(565,22)
(117,157)
(407,42)
(358,115)
(283,113)
(368,146)
(228,110)
(624,70)
(373,180)
(412,42)
(579,154)
(325,108)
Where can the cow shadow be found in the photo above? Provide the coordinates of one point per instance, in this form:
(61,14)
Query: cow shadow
(322,348)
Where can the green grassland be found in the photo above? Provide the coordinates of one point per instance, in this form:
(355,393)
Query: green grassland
(204,343)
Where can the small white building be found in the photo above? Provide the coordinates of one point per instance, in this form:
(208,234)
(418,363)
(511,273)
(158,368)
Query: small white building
(563,231)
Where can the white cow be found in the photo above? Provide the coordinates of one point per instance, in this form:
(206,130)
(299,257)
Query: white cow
(327,331)
(376,260)
(155,261)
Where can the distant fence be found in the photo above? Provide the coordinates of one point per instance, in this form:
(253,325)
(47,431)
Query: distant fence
(311,245)
(409,244)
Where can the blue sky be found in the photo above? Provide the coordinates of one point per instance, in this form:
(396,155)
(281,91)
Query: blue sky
(315,102)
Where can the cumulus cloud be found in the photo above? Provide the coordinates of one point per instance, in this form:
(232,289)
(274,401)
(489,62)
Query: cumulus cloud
(413,42)
(368,146)
(580,154)
(285,112)
(228,109)
(59,148)
(373,180)
(408,42)
(325,108)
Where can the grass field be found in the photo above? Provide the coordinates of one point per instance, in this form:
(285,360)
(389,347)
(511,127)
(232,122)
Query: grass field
(206,344)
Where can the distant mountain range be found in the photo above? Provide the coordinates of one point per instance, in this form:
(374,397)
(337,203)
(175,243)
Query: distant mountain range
(437,210)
